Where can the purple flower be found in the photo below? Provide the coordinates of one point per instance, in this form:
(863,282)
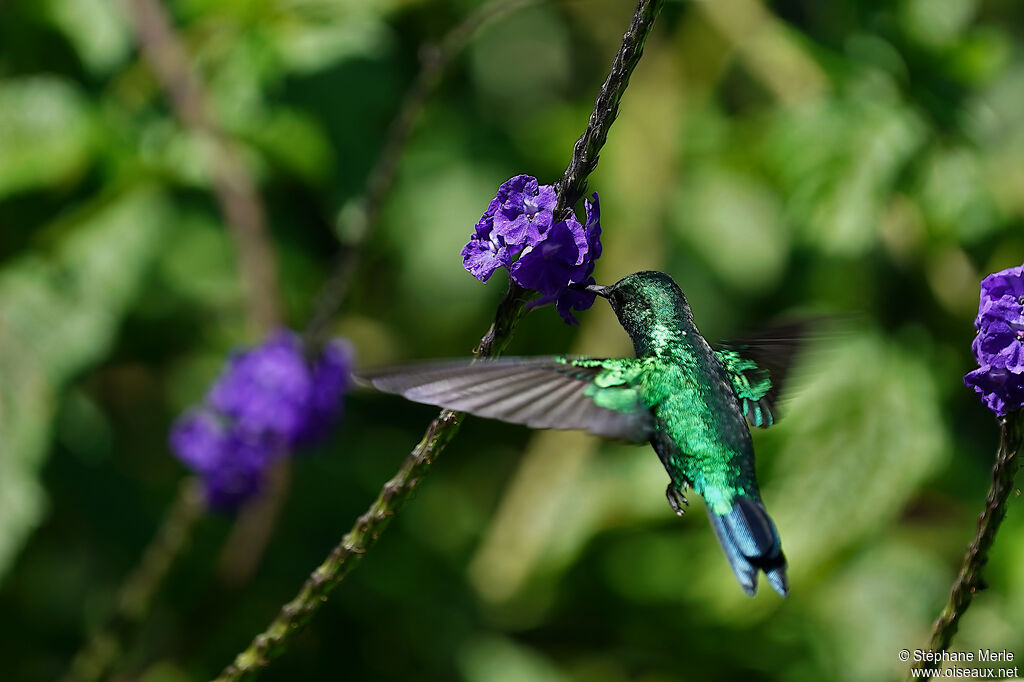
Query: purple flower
(331,378)
(518,232)
(1000,342)
(999,345)
(1009,282)
(565,258)
(572,299)
(487,250)
(231,462)
(1000,325)
(526,210)
(197,437)
(267,400)
(267,388)
(550,264)
(1000,390)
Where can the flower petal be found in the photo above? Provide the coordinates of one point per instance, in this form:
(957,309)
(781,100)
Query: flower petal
(266,388)
(572,299)
(1009,282)
(481,258)
(546,267)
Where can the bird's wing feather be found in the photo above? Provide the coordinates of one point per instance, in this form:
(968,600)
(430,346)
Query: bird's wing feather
(758,368)
(599,396)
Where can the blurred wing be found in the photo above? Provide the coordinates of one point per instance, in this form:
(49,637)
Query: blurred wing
(544,393)
(758,368)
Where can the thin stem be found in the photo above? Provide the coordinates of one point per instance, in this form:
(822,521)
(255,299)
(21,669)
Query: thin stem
(136,593)
(245,217)
(233,186)
(273,641)
(243,549)
(585,153)
(242,210)
(434,59)
(969,580)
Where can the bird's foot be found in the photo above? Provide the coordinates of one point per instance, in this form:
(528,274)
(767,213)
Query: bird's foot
(676,499)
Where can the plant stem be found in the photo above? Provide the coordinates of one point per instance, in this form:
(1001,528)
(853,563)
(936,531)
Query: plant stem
(244,215)
(240,204)
(136,593)
(273,641)
(969,581)
(586,150)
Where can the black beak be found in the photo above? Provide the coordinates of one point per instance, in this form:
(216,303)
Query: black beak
(604,292)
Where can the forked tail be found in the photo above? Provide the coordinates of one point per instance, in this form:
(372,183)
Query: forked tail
(751,543)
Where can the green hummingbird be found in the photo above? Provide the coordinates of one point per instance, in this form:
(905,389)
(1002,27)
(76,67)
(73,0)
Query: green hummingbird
(691,402)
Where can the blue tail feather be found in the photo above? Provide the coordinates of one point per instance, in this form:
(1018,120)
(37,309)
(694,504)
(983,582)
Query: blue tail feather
(751,544)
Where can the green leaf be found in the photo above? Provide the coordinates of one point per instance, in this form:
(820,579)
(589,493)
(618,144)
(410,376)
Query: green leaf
(59,314)
(954,195)
(735,224)
(533,35)
(292,139)
(840,159)
(882,599)
(313,34)
(499,659)
(98,29)
(201,265)
(47,134)
(862,437)
(937,23)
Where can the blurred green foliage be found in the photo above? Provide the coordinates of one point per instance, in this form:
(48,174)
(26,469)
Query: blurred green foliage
(791,156)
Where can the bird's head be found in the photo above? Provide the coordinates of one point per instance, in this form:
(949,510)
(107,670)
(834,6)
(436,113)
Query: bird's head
(643,300)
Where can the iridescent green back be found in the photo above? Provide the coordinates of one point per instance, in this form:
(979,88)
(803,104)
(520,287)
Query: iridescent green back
(701,434)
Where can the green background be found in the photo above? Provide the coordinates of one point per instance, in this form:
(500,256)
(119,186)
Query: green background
(861,158)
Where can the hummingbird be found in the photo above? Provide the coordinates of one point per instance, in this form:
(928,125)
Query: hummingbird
(693,403)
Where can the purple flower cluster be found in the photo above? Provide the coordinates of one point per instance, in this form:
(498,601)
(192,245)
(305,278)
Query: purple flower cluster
(999,345)
(518,231)
(266,402)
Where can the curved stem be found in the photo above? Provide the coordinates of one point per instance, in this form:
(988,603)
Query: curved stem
(587,149)
(233,186)
(242,210)
(244,215)
(367,529)
(136,593)
(968,581)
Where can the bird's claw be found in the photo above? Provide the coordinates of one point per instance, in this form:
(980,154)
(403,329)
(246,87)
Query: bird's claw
(676,499)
